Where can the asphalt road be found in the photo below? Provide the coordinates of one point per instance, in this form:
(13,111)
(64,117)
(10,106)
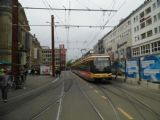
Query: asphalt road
(72,98)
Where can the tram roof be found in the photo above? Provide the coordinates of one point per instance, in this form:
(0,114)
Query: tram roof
(88,58)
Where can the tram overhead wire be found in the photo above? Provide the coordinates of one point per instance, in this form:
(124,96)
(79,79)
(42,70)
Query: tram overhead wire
(65,9)
(68,26)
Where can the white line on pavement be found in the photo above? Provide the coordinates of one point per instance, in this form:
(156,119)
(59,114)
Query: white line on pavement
(33,90)
(60,103)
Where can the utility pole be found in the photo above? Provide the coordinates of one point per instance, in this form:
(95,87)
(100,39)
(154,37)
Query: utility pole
(53,54)
(15,69)
(60,57)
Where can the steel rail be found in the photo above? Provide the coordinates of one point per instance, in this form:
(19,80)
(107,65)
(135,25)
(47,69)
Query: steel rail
(34,90)
(138,93)
(110,102)
(139,101)
(46,107)
(125,97)
(89,100)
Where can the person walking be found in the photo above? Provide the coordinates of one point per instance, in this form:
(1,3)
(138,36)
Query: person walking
(56,73)
(4,80)
(59,72)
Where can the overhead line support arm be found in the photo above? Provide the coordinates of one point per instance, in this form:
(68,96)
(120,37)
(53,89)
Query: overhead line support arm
(64,9)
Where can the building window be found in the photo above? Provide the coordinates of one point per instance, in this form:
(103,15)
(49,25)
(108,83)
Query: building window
(136,51)
(149,33)
(155,30)
(137,28)
(155,18)
(134,29)
(154,6)
(134,19)
(156,46)
(137,38)
(142,25)
(141,15)
(158,2)
(143,36)
(145,49)
(148,22)
(159,15)
(142,49)
(148,10)
(129,22)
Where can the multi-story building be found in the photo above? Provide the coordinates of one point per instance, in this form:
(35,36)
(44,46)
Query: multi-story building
(60,57)
(35,54)
(99,47)
(137,35)
(46,56)
(145,23)
(6,33)
(117,42)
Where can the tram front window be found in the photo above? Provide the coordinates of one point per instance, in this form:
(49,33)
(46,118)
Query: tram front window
(101,65)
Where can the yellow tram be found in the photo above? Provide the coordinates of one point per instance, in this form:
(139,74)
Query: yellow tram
(93,67)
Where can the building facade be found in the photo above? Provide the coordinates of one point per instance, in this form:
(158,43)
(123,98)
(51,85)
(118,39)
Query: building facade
(136,35)
(6,33)
(146,29)
(117,42)
(62,54)
(60,57)
(46,56)
(35,57)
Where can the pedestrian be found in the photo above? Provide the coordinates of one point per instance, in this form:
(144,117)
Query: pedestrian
(56,73)
(32,71)
(5,79)
(25,73)
(59,73)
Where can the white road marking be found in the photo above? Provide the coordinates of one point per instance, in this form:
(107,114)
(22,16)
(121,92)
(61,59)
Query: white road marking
(33,90)
(60,103)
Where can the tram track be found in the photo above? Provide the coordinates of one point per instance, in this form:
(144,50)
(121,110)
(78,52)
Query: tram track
(90,102)
(26,97)
(125,98)
(140,101)
(94,106)
(138,93)
(51,102)
(111,103)
(69,83)
(138,104)
(130,98)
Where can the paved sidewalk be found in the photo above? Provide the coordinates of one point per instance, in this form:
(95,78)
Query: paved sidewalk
(32,83)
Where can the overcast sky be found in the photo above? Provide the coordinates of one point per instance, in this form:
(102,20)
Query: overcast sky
(76,39)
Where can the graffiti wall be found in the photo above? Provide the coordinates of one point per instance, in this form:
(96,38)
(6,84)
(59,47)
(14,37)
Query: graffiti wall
(150,68)
(132,69)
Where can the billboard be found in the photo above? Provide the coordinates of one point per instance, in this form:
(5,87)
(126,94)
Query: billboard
(150,68)
(132,68)
(44,70)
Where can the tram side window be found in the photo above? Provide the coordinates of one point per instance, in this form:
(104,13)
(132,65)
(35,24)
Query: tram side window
(92,67)
(85,67)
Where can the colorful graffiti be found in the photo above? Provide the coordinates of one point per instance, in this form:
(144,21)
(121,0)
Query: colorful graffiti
(150,68)
(132,69)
